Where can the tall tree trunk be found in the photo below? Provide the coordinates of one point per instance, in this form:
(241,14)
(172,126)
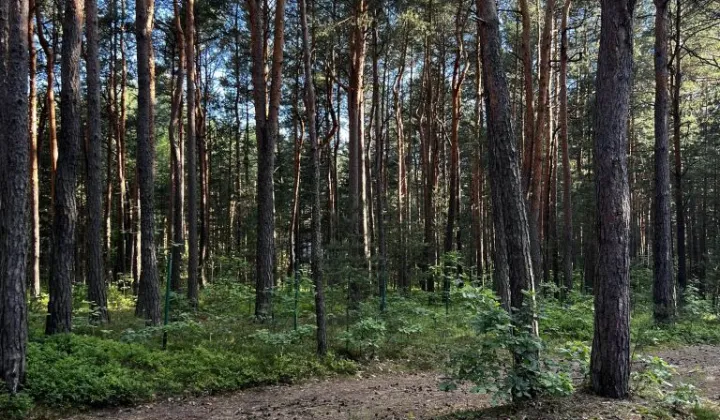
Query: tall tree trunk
(266,131)
(148,303)
(191,156)
(379,165)
(567,180)
(458,76)
(178,241)
(59,318)
(299,138)
(663,286)
(402,168)
(677,123)
(529,94)
(356,134)
(49,47)
(316,250)
(14,177)
(97,294)
(509,208)
(478,182)
(34,279)
(610,360)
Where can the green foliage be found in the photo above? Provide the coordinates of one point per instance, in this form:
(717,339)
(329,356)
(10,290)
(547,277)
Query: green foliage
(503,359)
(15,406)
(654,380)
(283,339)
(80,371)
(367,335)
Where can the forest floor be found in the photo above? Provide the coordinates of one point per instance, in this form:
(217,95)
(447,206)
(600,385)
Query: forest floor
(383,392)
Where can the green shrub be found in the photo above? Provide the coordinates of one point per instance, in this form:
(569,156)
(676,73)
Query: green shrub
(503,360)
(15,406)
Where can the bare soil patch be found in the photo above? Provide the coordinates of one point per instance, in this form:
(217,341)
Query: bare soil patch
(397,395)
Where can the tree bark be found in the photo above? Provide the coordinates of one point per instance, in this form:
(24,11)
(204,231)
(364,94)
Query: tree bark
(266,131)
(567,180)
(508,200)
(14,177)
(402,168)
(677,123)
(191,156)
(178,241)
(610,360)
(59,318)
(458,76)
(49,47)
(663,286)
(316,250)
(34,279)
(148,303)
(97,293)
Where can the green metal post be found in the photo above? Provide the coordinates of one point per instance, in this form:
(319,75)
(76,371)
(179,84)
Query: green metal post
(167,301)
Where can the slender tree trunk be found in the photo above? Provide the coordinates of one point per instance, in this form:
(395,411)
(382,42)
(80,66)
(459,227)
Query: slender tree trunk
(191,156)
(316,251)
(178,241)
(677,123)
(567,180)
(34,279)
(379,167)
(458,76)
(610,360)
(402,168)
(663,286)
(14,189)
(299,134)
(59,318)
(49,47)
(97,293)
(148,305)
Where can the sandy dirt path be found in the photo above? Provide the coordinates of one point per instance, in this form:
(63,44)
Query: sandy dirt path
(389,395)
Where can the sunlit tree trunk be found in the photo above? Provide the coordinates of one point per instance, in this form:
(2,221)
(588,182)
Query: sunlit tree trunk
(34,278)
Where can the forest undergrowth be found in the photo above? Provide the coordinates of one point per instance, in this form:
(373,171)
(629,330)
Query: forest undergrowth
(221,347)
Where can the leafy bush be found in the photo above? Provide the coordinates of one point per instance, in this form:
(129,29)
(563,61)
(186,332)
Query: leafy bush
(15,406)
(654,380)
(503,360)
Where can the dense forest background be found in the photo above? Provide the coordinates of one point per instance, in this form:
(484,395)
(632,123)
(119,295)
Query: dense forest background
(346,154)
